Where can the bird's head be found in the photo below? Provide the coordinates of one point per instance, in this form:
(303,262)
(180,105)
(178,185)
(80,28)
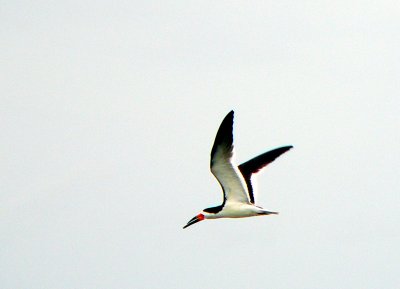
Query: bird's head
(197,218)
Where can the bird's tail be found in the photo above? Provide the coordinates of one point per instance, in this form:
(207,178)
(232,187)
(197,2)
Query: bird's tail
(268,213)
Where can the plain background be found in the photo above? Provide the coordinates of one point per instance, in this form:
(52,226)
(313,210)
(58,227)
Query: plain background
(108,114)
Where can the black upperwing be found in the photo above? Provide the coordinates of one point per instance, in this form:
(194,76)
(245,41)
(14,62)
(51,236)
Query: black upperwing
(254,165)
(223,142)
(221,164)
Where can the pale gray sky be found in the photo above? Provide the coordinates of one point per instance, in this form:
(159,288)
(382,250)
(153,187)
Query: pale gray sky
(108,114)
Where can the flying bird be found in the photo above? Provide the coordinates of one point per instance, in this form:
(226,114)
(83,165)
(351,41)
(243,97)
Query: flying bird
(238,192)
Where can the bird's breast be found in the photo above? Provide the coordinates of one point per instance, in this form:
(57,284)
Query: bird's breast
(237,210)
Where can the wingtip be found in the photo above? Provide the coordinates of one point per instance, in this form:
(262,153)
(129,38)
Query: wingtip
(228,119)
(287,148)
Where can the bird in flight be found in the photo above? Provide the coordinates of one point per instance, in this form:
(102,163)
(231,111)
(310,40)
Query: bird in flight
(235,180)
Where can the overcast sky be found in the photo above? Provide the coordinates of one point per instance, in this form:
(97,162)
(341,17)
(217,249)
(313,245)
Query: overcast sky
(108,113)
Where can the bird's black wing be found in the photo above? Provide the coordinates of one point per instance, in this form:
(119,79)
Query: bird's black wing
(254,165)
(221,166)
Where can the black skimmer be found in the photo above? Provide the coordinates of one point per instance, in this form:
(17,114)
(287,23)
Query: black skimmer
(235,181)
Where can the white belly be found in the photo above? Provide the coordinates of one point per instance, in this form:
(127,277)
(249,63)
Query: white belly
(238,210)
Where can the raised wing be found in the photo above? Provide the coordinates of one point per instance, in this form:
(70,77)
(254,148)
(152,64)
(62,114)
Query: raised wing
(228,176)
(254,165)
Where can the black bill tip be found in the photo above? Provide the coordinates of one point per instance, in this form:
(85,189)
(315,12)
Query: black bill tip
(194,220)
